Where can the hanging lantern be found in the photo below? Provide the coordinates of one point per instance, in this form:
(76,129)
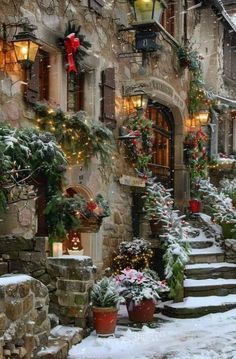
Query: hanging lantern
(26,48)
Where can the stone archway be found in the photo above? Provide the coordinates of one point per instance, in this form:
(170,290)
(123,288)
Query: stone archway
(161,91)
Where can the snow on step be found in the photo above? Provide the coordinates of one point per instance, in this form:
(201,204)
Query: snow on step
(211,301)
(206,251)
(210,265)
(208,282)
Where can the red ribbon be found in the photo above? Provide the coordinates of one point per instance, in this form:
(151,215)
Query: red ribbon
(72,43)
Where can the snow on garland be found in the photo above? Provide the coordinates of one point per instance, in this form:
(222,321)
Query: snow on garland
(175,231)
(219,204)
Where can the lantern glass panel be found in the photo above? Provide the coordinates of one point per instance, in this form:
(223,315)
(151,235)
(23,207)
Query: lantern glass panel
(147,10)
(21,50)
(25,50)
(33,49)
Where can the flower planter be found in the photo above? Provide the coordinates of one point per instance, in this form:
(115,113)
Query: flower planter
(141,312)
(105,320)
(195,206)
(90,225)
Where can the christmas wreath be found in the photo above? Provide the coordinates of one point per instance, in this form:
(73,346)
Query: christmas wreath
(73,46)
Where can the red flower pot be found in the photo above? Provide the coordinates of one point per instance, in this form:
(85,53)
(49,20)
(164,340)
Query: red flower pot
(195,206)
(141,312)
(105,320)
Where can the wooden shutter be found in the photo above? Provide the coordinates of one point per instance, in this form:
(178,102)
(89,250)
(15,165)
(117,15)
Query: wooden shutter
(32,89)
(233,58)
(108,97)
(96,5)
(38,83)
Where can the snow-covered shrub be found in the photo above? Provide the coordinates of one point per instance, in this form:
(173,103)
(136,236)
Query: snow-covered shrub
(135,254)
(105,293)
(228,187)
(222,208)
(137,285)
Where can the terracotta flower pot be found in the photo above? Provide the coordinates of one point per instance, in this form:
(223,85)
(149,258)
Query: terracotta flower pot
(195,206)
(141,312)
(105,320)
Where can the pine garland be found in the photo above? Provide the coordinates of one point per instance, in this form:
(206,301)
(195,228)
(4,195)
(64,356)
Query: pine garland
(159,207)
(79,137)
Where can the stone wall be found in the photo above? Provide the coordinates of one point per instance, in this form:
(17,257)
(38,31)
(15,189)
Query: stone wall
(24,322)
(67,279)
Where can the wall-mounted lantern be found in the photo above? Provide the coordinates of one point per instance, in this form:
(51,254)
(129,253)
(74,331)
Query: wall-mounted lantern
(135,103)
(147,14)
(25,43)
(203,117)
(147,11)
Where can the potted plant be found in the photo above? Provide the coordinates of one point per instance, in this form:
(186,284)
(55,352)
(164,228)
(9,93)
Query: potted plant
(105,299)
(135,254)
(141,290)
(188,57)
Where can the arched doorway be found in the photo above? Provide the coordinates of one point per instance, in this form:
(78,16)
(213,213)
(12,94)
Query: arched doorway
(162,165)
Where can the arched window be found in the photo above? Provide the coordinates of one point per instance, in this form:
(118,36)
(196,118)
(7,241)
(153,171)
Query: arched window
(163,147)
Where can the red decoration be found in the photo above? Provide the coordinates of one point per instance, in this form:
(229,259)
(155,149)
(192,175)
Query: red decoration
(195,206)
(91,206)
(72,44)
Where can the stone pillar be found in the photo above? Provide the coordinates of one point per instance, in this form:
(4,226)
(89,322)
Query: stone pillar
(75,277)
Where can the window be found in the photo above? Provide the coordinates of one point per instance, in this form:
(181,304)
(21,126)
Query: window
(168,17)
(230,56)
(162,160)
(38,82)
(75,92)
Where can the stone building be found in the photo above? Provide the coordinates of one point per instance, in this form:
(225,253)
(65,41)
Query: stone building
(160,80)
(116,73)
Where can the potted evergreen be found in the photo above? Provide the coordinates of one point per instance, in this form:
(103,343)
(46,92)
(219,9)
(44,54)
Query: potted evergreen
(105,299)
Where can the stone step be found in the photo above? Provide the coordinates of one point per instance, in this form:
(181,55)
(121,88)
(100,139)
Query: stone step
(211,270)
(210,255)
(209,287)
(56,349)
(193,307)
(60,341)
(200,243)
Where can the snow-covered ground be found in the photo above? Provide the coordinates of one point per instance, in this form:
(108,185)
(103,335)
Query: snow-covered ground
(209,337)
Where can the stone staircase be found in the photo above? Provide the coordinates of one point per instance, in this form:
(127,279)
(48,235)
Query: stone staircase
(210,282)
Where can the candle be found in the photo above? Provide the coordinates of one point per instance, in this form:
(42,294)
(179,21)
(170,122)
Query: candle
(57,249)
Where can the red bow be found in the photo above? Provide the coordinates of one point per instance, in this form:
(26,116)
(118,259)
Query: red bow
(72,43)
